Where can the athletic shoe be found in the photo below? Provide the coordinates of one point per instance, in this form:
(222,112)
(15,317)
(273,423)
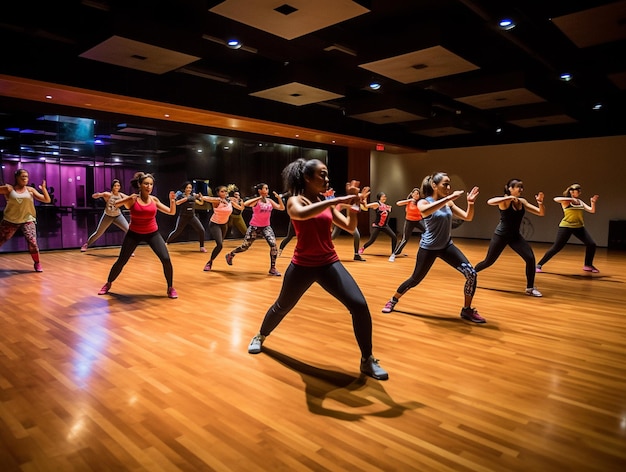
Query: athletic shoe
(591,269)
(83,248)
(471,314)
(388,308)
(392,258)
(533,292)
(105,289)
(208,266)
(361,250)
(202,249)
(358,258)
(229,258)
(371,367)
(255,344)
(274,272)
(538,269)
(38,267)
(172,293)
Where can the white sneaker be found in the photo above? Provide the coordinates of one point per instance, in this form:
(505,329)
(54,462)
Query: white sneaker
(533,292)
(255,344)
(392,258)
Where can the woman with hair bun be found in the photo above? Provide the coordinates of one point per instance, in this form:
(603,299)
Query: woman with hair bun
(437,208)
(143,228)
(573,224)
(512,207)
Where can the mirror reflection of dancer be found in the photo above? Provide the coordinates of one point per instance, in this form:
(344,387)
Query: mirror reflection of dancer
(512,208)
(412,220)
(236,218)
(262,207)
(315,259)
(20,212)
(573,224)
(437,208)
(218,225)
(111,215)
(381,223)
(187,216)
(143,228)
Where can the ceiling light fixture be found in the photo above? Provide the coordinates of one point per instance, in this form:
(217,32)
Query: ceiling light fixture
(597,106)
(375,85)
(234,44)
(566,77)
(507,24)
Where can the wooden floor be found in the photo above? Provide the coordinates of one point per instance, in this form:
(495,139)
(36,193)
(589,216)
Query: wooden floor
(134,381)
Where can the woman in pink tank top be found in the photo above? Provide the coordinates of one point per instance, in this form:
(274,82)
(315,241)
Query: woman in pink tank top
(262,207)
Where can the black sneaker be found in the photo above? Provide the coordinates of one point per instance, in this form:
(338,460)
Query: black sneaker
(371,367)
(358,258)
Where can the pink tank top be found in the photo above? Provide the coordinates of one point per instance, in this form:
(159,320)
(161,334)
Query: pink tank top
(221,213)
(261,213)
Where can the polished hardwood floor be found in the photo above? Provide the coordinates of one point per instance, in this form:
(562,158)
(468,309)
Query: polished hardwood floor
(134,381)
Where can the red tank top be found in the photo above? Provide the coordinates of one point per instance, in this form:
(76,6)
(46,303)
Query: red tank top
(314,247)
(143,218)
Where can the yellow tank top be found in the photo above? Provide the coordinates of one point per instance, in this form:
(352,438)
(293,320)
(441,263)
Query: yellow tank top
(20,207)
(573,216)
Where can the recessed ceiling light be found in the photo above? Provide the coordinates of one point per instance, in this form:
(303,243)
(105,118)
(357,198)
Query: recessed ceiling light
(234,44)
(375,85)
(566,77)
(597,106)
(507,24)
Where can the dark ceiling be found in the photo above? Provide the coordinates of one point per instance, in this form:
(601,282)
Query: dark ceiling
(449,76)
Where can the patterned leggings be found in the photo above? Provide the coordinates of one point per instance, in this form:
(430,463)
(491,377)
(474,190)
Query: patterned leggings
(452,256)
(29,230)
(252,233)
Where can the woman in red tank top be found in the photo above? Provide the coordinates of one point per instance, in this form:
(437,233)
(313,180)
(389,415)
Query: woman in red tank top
(143,228)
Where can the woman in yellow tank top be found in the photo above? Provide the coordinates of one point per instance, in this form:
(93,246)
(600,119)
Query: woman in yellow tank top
(573,224)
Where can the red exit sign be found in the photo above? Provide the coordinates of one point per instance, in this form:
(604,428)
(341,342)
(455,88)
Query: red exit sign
(380,147)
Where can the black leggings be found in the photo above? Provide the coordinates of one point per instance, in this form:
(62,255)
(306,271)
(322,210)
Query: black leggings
(563,235)
(375,231)
(130,243)
(218,233)
(181,224)
(337,281)
(519,245)
(291,232)
(409,226)
(452,256)
(356,237)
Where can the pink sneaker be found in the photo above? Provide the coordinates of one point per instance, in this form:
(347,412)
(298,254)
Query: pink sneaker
(202,249)
(105,289)
(591,269)
(83,248)
(361,250)
(38,267)
(172,293)
(471,314)
(208,266)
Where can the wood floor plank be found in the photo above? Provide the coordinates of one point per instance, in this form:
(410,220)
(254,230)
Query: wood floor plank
(135,381)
